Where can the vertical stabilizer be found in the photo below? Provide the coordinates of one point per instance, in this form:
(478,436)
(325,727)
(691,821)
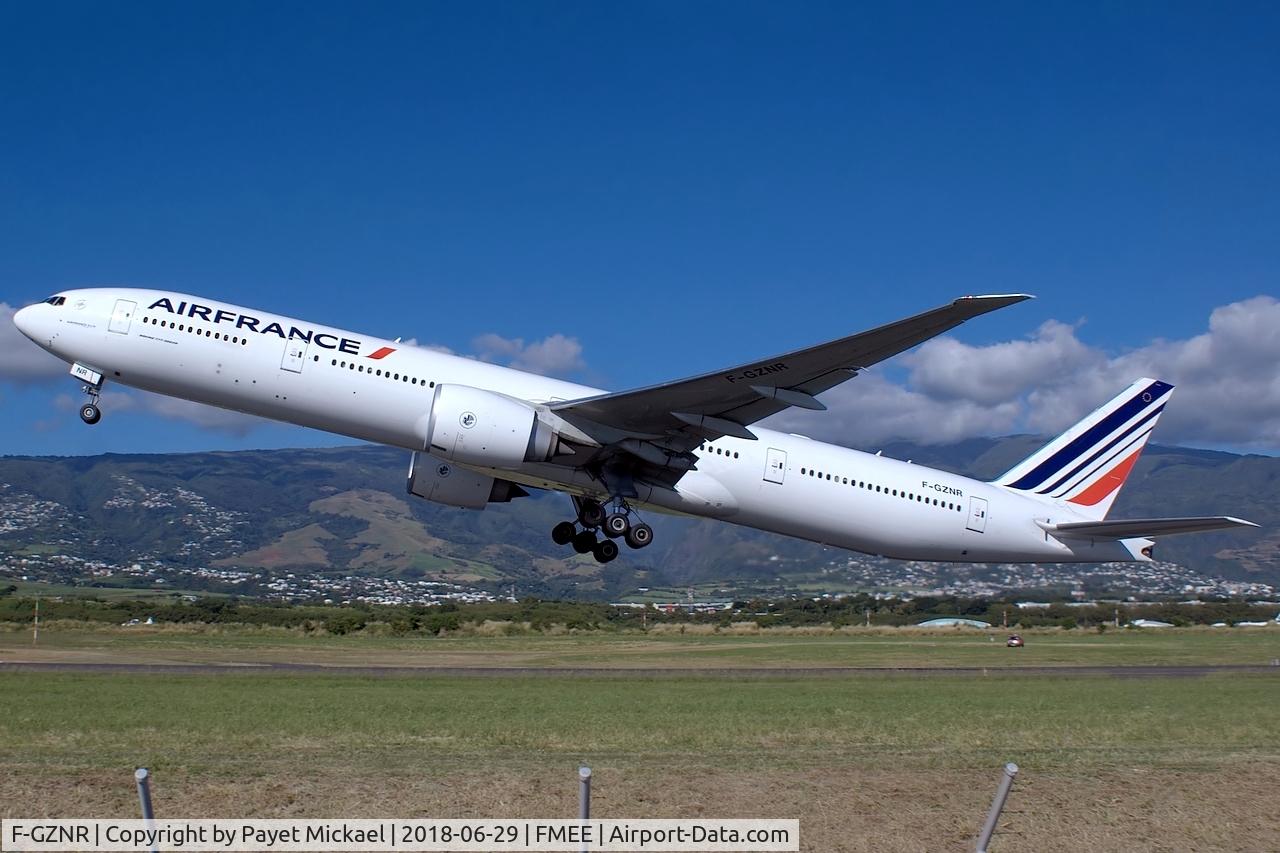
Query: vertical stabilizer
(1086,465)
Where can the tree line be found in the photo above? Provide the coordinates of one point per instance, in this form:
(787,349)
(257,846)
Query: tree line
(541,614)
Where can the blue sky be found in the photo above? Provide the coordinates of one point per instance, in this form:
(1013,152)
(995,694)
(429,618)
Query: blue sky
(670,188)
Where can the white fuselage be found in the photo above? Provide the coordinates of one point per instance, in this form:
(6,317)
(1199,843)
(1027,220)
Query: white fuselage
(325,378)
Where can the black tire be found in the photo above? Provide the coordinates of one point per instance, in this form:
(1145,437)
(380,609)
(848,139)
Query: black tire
(584,542)
(617,524)
(605,550)
(640,536)
(563,533)
(90,414)
(591,513)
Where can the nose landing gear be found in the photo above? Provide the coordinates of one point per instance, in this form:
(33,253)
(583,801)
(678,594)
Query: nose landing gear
(89,412)
(592,515)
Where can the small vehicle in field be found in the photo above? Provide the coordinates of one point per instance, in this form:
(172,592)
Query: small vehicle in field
(1014,642)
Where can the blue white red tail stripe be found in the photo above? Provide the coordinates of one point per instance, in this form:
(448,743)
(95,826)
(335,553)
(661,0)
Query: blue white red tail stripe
(1138,432)
(1087,464)
(1132,403)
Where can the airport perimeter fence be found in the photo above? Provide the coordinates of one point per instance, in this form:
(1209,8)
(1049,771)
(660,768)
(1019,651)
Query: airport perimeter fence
(142,780)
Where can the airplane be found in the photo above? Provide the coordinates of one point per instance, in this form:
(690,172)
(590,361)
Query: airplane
(480,433)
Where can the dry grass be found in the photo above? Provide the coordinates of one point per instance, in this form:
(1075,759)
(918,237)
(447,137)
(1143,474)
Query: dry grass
(840,809)
(506,644)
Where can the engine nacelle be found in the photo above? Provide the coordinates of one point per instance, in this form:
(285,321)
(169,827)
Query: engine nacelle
(443,482)
(477,427)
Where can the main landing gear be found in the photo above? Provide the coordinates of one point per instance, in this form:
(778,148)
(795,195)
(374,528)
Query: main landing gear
(593,516)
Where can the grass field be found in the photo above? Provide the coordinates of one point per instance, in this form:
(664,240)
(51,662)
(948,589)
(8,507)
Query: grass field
(785,648)
(870,762)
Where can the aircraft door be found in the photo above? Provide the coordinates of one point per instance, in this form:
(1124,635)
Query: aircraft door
(295,353)
(977,515)
(775,465)
(122,316)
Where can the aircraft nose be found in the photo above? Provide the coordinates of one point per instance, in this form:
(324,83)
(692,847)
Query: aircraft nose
(22,318)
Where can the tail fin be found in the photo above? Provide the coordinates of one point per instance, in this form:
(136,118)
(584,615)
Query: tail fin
(1087,464)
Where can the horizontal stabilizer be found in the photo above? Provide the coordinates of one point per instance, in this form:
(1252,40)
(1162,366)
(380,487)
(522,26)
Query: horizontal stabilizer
(1144,528)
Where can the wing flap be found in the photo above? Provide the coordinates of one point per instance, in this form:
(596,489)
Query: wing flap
(1142,528)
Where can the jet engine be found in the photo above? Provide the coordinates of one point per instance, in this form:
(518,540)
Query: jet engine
(444,483)
(472,426)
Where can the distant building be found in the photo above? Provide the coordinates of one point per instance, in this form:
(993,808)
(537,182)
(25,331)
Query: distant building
(954,622)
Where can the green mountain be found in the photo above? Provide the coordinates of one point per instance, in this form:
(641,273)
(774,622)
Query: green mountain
(254,517)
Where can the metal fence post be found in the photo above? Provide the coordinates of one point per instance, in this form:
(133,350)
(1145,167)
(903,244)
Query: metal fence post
(997,806)
(584,798)
(143,778)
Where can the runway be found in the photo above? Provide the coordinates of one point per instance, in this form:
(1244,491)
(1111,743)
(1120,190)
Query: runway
(1195,671)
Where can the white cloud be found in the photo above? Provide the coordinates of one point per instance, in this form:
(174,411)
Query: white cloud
(1228,381)
(555,354)
(20,359)
(947,369)
(1228,386)
(871,410)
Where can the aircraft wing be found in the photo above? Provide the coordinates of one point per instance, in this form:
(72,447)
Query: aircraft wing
(679,415)
(1144,528)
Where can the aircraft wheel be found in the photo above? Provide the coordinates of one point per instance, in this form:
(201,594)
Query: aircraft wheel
(584,542)
(591,513)
(640,536)
(606,550)
(563,533)
(617,524)
(90,414)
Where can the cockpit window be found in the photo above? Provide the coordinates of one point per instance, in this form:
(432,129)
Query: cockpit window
(56,300)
